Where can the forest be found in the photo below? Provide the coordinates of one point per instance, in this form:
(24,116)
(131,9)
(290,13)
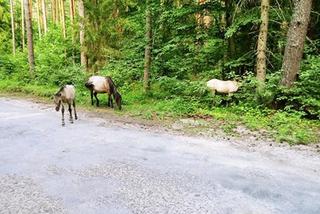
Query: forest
(161,53)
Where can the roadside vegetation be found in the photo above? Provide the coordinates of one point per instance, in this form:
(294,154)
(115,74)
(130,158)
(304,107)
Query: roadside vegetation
(192,42)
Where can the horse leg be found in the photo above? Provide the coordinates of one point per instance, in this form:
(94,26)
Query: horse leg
(62,111)
(70,112)
(74,109)
(110,101)
(95,95)
(91,93)
(213,94)
(229,98)
(108,104)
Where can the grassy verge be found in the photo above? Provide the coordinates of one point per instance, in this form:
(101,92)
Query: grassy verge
(281,126)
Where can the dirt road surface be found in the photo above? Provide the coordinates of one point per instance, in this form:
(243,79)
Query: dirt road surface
(96,166)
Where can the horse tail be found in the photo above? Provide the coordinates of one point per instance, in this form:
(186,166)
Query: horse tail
(89,85)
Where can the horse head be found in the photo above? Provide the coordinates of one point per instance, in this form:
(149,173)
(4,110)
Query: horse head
(57,100)
(118,99)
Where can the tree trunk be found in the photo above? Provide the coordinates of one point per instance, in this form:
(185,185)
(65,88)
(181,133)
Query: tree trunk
(30,9)
(57,10)
(63,22)
(229,18)
(12,28)
(29,36)
(295,41)
(226,22)
(204,19)
(39,17)
(262,44)
(53,10)
(147,53)
(22,25)
(71,10)
(44,16)
(83,57)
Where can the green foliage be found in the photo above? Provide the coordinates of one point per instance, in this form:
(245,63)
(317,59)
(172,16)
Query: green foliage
(251,17)
(304,97)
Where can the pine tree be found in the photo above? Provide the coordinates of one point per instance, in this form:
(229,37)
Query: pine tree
(262,44)
(12,28)
(148,48)
(29,36)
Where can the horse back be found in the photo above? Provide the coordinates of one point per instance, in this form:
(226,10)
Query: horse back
(223,86)
(98,84)
(69,92)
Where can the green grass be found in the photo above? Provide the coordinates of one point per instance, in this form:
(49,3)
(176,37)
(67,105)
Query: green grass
(281,126)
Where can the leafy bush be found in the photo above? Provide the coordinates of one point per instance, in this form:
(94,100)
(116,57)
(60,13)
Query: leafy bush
(304,96)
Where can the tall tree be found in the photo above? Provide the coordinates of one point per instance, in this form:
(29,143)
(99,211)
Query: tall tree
(57,11)
(63,22)
(29,36)
(262,44)
(12,28)
(83,57)
(22,25)
(229,19)
(44,16)
(30,9)
(53,10)
(148,47)
(71,10)
(39,17)
(295,41)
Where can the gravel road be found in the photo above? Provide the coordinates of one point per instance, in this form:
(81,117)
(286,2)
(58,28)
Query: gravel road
(96,166)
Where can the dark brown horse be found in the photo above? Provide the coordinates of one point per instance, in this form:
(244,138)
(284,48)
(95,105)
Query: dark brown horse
(100,84)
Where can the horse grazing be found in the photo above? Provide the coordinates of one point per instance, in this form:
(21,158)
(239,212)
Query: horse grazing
(66,94)
(226,87)
(99,84)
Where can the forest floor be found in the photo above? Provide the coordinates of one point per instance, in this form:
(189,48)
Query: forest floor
(202,126)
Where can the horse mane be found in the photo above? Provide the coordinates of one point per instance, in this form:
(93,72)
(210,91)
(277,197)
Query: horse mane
(114,91)
(60,90)
(113,88)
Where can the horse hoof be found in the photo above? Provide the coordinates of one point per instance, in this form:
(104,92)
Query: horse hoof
(63,124)
(76,118)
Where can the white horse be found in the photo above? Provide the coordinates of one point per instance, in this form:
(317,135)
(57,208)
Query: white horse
(226,87)
(66,94)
